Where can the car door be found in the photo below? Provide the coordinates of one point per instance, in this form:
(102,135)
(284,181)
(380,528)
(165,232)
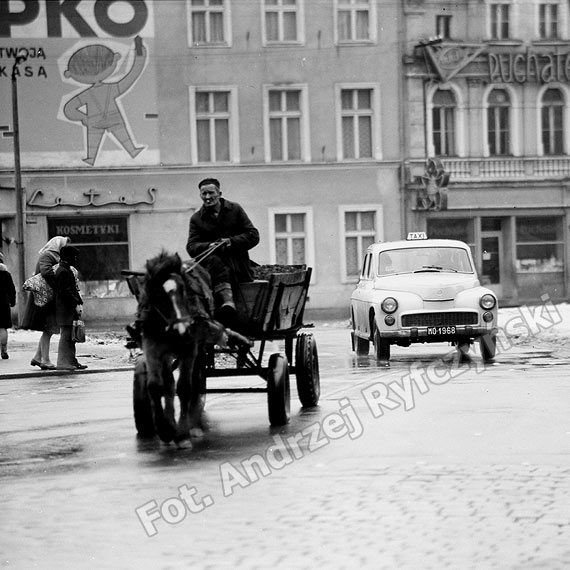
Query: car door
(362,295)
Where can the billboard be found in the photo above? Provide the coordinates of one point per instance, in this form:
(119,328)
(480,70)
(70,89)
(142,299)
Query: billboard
(85,81)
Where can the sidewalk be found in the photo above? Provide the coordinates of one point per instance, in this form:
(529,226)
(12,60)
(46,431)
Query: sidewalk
(102,352)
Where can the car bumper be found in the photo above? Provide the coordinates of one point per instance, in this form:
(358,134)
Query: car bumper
(421,333)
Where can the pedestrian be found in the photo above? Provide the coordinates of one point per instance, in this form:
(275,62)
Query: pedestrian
(68,308)
(43,318)
(7,301)
(222,221)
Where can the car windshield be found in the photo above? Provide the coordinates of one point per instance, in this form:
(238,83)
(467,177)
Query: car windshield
(423,259)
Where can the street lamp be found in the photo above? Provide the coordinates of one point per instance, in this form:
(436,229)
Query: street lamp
(21,57)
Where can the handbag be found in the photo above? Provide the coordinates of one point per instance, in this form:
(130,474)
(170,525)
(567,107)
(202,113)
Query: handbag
(41,290)
(78,331)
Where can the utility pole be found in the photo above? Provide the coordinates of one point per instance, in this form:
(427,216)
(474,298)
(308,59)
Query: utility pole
(21,57)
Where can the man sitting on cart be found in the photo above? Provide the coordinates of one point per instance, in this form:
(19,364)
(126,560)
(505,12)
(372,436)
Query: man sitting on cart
(226,225)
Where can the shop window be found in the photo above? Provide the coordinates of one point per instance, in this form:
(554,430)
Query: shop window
(103,252)
(552,116)
(361,226)
(443,122)
(498,122)
(540,245)
(452,228)
(540,257)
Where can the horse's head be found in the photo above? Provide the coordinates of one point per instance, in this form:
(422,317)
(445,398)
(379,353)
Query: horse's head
(166,296)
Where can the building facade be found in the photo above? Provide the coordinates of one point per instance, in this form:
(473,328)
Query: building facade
(125,106)
(488,93)
(318,117)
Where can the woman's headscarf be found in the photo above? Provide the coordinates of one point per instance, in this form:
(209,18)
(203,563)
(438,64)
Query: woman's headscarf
(54,244)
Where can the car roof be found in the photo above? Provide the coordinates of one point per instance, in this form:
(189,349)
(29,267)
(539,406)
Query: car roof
(407,244)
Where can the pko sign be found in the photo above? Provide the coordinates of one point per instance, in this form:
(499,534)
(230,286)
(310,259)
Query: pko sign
(73,18)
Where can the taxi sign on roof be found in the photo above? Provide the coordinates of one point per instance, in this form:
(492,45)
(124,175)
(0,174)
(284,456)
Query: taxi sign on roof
(416,235)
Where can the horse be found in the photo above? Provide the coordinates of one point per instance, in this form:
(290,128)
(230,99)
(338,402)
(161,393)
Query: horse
(175,311)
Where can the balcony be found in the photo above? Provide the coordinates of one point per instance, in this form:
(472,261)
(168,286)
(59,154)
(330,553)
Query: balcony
(504,168)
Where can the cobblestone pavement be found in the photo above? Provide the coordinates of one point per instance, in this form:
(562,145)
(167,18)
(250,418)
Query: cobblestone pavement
(476,476)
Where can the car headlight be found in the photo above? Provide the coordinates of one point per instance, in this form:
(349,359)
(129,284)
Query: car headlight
(487,301)
(389,305)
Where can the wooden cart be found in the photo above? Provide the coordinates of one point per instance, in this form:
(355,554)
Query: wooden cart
(269,309)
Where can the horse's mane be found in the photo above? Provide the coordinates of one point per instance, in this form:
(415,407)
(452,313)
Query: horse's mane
(163,263)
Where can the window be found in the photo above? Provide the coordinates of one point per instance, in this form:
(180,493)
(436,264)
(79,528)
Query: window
(443,123)
(103,252)
(552,116)
(499,20)
(443,26)
(213,125)
(291,236)
(361,226)
(548,20)
(498,122)
(462,229)
(208,22)
(358,123)
(355,20)
(282,20)
(286,128)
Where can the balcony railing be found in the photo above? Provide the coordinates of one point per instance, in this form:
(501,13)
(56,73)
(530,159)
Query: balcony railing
(505,168)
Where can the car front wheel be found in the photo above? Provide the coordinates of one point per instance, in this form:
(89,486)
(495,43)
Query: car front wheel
(381,346)
(488,345)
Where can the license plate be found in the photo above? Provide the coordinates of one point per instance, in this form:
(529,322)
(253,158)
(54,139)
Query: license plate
(440,330)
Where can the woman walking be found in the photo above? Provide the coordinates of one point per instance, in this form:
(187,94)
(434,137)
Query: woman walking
(68,307)
(7,301)
(43,318)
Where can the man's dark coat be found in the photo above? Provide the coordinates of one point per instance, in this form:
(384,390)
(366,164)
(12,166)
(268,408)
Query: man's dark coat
(232,222)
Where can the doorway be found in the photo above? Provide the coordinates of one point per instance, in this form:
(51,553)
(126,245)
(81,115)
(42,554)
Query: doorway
(492,261)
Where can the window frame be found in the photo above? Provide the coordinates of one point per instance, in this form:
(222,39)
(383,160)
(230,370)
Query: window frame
(309,234)
(233,122)
(559,19)
(300,25)
(304,141)
(376,123)
(227,27)
(510,20)
(565,90)
(378,209)
(372,25)
(443,26)
(515,119)
(460,118)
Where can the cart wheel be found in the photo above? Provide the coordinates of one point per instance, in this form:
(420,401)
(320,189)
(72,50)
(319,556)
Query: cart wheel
(307,370)
(141,401)
(278,390)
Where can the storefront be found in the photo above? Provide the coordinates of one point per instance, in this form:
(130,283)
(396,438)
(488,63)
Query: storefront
(495,115)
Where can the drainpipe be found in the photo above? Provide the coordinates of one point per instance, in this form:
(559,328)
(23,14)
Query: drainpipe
(403,113)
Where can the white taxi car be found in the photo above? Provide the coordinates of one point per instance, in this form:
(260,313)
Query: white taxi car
(421,290)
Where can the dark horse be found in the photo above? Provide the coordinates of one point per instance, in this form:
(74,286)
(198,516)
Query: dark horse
(175,311)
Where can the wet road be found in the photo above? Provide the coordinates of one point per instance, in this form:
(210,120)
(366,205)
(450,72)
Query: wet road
(421,465)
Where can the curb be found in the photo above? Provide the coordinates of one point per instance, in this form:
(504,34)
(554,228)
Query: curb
(52,373)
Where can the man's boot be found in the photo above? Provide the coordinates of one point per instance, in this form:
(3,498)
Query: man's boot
(225,306)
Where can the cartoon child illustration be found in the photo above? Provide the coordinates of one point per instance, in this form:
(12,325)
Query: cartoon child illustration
(91,65)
